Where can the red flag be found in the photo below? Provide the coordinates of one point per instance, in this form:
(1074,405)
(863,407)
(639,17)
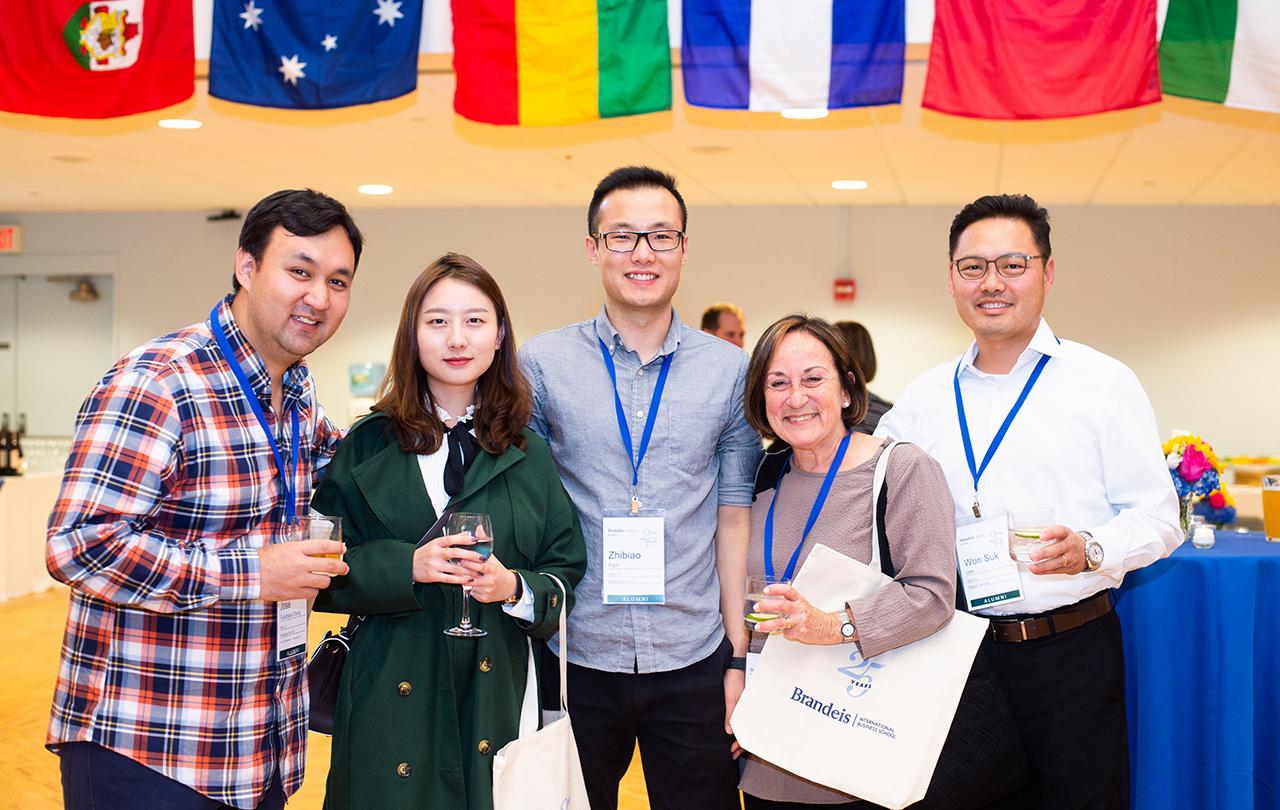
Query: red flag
(1024,59)
(101,59)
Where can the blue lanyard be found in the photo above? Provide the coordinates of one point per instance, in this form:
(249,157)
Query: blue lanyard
(290,508)
(813,511)
(975,470)
(648,422)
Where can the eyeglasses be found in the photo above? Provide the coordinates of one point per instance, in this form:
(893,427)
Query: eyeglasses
(1011,265)
(626,241)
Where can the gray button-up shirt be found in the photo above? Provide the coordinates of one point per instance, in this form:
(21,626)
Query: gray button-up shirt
(702,454)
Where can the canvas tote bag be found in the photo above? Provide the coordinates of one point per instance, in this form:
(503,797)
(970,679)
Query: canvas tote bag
(541,768)
(872,728)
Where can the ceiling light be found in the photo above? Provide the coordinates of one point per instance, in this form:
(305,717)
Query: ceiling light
(846,185)
(374,188)
(179,123)
(801,114)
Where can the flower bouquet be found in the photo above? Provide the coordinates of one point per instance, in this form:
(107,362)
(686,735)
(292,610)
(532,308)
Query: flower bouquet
(1218,507)
(1195,469)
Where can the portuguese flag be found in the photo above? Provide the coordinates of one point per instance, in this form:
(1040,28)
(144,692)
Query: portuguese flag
(550,62)
(1224,51)
(71,59)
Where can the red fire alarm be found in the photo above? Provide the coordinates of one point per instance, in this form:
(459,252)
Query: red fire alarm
(844,289)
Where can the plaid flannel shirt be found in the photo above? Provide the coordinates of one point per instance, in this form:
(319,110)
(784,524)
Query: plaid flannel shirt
(169,656)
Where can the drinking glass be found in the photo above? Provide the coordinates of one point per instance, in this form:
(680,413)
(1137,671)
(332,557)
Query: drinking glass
(754,592)
(318,527)
(478,528)
(1271,507)
(1025,526)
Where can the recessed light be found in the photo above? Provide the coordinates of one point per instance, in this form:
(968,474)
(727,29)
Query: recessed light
(180,123)
(847,185)
(801,114)
(374,188)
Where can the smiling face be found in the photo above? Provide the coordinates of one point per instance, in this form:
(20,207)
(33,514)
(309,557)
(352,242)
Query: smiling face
(803,395)
(644,280)
(1003,313)
(292,301)
(458,336)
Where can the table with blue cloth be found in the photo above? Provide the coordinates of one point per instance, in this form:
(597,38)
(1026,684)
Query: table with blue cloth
(1202,655)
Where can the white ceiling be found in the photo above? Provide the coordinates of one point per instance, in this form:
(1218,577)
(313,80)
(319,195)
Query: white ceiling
(1178,152)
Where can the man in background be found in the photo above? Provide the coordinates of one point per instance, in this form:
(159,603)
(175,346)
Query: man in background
(184,662)
(726,322)
(1026,420)
(645,421)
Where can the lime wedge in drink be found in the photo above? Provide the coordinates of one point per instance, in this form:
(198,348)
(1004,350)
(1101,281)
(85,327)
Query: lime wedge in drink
(761,617)
(1027,534)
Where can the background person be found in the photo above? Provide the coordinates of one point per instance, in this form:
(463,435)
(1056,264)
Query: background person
(864,352)
(804,386)
(653,672)
(420,714)
(726,322)
(177,687)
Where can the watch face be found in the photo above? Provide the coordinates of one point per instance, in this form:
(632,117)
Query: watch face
(1093,553)
(846,630)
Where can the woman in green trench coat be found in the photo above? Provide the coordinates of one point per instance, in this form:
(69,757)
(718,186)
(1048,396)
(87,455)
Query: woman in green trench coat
(421,714)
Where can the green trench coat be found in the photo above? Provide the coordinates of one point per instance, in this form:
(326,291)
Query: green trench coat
(420,714)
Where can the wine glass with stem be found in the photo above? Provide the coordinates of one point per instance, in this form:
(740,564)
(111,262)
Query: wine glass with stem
(477,527)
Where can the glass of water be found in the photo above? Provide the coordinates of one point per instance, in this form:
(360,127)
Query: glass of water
(753,593)
(478,528)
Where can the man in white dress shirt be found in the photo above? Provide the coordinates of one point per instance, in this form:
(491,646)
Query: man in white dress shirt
(1025,420)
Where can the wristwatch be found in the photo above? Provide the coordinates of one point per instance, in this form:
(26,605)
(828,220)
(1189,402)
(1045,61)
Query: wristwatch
(1092,552)
(846,629)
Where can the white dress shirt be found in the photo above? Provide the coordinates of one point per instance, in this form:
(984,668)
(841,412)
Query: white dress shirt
(1084,443)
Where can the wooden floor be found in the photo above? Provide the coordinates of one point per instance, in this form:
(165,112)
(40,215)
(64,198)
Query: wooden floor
(30,637)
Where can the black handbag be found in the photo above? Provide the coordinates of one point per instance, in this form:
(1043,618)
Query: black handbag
(324,670)
(982,760)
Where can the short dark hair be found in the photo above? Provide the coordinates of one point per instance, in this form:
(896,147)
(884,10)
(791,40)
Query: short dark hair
(301,212)
(860,343)
(633,177)
(851,379)
(1004,206)
(503,399)
(711,317)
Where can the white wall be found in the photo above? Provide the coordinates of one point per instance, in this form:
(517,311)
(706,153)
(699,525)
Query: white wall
(1187,297)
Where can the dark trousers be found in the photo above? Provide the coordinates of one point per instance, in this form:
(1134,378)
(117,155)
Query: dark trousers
(750,802)
(677,718)
(97,778)
(1067,696)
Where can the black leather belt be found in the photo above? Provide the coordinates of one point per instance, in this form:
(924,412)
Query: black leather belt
(1054,621)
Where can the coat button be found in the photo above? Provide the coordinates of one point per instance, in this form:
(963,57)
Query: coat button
(555,599)
(404,688)
(484,746)
(403,769)
(486,664)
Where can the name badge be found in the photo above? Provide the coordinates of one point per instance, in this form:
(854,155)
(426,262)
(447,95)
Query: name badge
(635,562)
(291,629)
(988,573)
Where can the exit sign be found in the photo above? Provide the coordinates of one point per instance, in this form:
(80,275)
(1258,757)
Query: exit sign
(10,238)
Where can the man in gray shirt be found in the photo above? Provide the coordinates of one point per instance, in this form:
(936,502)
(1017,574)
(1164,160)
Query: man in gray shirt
(644,413)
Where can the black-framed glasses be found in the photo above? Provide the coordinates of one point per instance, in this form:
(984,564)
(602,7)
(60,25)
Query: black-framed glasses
(626,241)
(1011,265)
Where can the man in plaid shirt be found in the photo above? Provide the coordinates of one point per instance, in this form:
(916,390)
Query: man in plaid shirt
(180,685)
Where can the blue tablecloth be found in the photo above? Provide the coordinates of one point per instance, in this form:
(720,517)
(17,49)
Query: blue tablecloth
(1202,654)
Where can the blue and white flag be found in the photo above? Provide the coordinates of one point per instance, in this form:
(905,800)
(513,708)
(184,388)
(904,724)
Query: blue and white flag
(304,54)
(773,55)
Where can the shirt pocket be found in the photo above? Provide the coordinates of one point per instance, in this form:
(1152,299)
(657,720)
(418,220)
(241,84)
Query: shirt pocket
(694,432)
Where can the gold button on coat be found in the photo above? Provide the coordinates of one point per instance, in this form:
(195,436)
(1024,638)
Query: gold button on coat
(404,689)
(486,664)
(555,599)
(484,746)
(403,769)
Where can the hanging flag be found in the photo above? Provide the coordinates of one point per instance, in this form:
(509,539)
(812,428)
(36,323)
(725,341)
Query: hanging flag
(772,55)
(1226,51)
(551,62)
(303,54)
(71,59)
(1027,59)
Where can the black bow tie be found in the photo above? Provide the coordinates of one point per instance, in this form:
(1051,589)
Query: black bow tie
(463,449)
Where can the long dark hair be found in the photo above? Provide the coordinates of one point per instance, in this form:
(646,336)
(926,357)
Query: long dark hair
(503,401)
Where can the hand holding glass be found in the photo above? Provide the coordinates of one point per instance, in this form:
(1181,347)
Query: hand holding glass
(318,527)
(1025,526)
(753,593)
(478,528)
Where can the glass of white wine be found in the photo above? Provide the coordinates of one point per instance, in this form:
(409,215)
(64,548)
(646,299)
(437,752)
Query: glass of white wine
(753,593)
(317,527)
(478,528)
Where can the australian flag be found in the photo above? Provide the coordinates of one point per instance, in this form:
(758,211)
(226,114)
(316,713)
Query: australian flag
(304,54)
